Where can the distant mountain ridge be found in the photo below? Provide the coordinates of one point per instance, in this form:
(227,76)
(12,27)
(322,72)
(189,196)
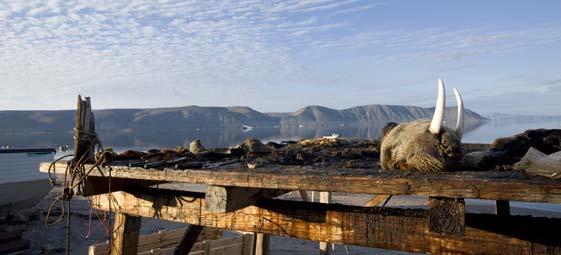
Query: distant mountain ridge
(180,118)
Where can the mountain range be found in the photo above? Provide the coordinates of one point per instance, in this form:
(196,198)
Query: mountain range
(180,118)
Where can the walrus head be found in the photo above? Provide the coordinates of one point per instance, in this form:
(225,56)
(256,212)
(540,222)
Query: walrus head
(424,146)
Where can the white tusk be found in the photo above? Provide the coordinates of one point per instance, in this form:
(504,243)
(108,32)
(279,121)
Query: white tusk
(460,121)
(436,122)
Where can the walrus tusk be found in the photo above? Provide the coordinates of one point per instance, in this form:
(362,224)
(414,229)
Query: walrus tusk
(460,121)
(436,122)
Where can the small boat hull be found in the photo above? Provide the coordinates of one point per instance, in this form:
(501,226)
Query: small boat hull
(21,183)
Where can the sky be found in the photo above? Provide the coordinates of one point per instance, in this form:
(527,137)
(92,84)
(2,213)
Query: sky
(275,56)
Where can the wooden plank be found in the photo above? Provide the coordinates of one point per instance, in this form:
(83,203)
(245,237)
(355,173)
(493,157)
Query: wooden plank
(223,246)
(248,244)
(513,186)
(387,228)
(502,207)
(189,239)
(446,216)
(160,239)
(229,199)
(325,247)
(125,234)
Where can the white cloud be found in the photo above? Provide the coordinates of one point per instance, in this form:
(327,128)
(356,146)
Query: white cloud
(54,49)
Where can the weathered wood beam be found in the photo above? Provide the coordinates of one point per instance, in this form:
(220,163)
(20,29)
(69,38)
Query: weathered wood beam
(388,228)
(512,186)
(502,207)
(446,216)
(95,185)
(125,234)
(189,239)
(229,199)
(84,131)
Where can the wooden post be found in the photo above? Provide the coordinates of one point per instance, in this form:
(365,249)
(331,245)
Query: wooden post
(230,199)
(248,244)
(502,208)
(324,247)
(84,131)
(446,216)
(262,243)
(125,234)
(189,239)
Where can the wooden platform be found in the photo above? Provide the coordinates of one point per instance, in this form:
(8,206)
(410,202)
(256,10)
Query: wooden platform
(242,199)
(513,186)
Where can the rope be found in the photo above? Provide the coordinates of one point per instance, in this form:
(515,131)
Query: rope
(77,173)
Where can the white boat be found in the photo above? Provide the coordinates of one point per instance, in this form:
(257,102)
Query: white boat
(21,183)
(332,136)
(246,128)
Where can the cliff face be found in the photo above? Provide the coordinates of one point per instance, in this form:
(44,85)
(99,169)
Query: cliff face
(180,118)
(371,115)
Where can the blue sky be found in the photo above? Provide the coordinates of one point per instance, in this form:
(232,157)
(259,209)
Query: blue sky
(504,56)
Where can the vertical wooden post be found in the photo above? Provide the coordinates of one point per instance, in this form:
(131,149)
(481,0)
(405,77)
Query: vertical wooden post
(262,243)
(324,247)
(189,239)
(502,208)
(248,244)
(84,131)
(125,234)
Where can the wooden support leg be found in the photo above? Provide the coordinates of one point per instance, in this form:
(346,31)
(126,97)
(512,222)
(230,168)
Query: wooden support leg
(304,195)
(324,247)
(502,208)
(248,244)
(378,200)
(189,239)
(262,243)
(125,234)
(447,216)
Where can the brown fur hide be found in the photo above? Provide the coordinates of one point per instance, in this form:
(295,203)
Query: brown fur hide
(410,146)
